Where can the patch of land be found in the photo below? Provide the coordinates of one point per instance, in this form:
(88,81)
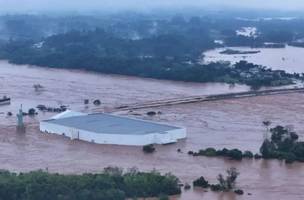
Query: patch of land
(232,52)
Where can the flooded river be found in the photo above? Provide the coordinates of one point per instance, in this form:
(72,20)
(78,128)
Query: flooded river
(229,123)
(290,59)
(64,87)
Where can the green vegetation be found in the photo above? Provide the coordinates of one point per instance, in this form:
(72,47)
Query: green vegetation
(283,145)
(226,184)
(190,23)
(149,148)
(32,112)
(166,57)
(187,186)
(233,154)
(248,154)
(201,182)
(163,197)
(112,184)
(161,47)
(232,52)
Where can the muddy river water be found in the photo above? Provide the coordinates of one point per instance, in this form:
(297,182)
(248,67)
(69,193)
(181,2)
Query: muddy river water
(229,123)
(289,58)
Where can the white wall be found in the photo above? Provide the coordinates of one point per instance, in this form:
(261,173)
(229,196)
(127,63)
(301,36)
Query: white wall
(118,139)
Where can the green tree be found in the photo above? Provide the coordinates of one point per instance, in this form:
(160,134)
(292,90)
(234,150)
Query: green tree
(228,183)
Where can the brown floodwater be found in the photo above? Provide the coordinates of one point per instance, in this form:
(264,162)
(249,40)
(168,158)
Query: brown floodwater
(289,58)
(229,123)
(67,87)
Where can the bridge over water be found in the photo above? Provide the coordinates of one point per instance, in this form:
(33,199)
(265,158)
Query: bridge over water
(203,98)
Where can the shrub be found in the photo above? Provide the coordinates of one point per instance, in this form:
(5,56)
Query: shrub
(190,153)
(151,113)
(210,152)
(257,156)
(223,152)
(248,154)
(187,186)
(201,182)
(97,102)
(149,148)
(215,187)
(230,181)
(289,158)
(32,112)
(298,149)
(239,192)
(163,197)
(235,154)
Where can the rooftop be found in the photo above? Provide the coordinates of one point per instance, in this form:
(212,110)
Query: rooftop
(111,124)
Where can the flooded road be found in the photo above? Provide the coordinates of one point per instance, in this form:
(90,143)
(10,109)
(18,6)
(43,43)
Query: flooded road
(289,59)
(229,123)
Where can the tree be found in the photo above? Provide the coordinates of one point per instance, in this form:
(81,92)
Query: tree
(283,144)
(112,184)
(267,149)
(248,154)
(232,175)
(230,182)
(235,154)
(201,182)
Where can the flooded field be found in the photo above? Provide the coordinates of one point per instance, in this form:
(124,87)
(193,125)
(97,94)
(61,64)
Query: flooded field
(229,123)
(289,59)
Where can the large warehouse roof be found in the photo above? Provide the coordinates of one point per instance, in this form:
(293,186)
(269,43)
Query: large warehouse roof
(111,124)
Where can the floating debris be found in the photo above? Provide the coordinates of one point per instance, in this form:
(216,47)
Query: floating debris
(52,109)
(5,100)
(38,87)
(97,102)
(151,113)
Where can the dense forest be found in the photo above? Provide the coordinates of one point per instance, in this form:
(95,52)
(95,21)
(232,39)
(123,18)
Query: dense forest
(156,46)
(112,184)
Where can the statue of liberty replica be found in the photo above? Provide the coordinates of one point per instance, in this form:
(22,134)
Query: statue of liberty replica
(20,123)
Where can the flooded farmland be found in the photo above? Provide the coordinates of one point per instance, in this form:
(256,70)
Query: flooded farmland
(228,123)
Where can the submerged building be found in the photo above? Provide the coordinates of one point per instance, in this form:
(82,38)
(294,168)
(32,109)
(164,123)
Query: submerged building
(111,129)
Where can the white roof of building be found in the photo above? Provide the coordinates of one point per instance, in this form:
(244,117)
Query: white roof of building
(67,114)
(109,124)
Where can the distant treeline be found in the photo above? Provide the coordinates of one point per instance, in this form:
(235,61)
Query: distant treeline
(207,25)
(163,57)
(112,184)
